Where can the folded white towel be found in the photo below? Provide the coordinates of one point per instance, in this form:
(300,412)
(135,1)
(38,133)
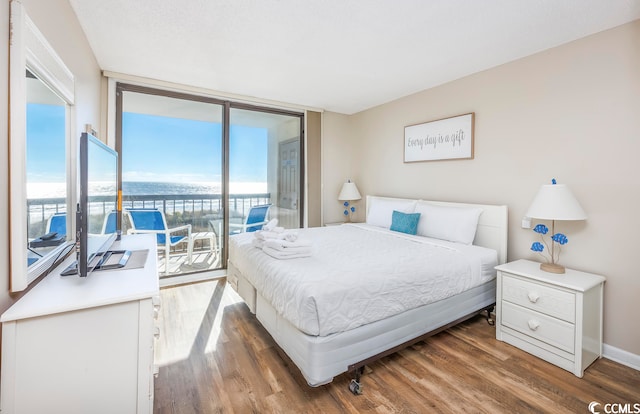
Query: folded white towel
(276,233)
(291,236)
(278,254)
(270,225)
(266,234)
(283,244)
(257,243)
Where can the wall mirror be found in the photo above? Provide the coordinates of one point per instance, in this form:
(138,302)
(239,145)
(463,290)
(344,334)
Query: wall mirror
(41,95)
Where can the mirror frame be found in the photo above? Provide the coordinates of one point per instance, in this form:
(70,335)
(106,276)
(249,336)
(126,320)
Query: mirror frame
(29,49)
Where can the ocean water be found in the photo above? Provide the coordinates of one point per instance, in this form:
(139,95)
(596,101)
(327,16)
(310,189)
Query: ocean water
(38,213)
(159,188)
(57,189)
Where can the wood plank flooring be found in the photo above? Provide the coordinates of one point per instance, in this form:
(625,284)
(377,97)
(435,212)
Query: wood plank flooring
(216,358)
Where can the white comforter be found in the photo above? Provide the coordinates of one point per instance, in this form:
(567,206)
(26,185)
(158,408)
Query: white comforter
(358,274)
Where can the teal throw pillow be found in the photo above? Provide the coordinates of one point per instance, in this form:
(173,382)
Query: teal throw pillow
(405,222)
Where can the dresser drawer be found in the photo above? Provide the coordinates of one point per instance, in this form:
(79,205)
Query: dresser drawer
(552,331)
(548,300)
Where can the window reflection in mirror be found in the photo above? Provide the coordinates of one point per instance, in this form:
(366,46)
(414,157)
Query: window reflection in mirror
(45,170)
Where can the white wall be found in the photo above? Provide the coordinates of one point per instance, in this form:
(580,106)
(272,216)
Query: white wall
(570,113)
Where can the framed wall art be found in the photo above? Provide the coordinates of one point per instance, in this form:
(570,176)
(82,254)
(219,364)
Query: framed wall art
(443,139)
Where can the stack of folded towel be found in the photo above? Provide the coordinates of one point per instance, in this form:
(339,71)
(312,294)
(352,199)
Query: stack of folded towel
(280,243)
(284,249)
(268,231)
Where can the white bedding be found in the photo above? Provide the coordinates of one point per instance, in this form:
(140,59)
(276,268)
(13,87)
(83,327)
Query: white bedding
(358,274)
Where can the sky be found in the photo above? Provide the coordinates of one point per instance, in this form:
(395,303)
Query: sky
(46,143)
(155,148)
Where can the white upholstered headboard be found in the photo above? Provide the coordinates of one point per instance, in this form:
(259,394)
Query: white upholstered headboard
(492,231)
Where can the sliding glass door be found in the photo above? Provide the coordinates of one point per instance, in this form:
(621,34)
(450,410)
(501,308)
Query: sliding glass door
(171,155)
(207,165)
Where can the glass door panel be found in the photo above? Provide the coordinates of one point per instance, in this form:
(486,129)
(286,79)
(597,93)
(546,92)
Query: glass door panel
(172,160)
(264,166)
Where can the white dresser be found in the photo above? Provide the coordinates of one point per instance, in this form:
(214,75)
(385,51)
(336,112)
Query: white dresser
(83,345)
(557,317)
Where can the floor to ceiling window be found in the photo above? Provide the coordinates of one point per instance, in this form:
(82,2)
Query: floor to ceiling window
(264,166)
(204,164)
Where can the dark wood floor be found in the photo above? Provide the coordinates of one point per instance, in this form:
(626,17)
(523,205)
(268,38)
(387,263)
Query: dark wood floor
(216,358)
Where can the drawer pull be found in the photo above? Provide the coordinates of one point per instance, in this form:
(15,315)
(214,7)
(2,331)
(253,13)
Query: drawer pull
(533,324)
(533,297)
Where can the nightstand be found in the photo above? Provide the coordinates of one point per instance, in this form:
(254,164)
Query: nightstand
(556,317)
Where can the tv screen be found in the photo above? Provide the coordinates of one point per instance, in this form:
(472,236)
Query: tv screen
(97,208)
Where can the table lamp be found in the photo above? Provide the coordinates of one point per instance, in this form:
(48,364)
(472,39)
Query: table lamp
(554,202)
(348,193)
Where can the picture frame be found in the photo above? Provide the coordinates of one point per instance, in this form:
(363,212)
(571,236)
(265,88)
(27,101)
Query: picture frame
(443,139)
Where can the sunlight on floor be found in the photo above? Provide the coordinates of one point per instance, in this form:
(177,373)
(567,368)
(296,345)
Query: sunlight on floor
(201,261)
(191,311)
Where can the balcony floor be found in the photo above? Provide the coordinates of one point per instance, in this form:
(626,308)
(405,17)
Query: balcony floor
(203,260)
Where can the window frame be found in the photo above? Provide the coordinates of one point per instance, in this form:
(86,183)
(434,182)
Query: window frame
(121,87)
(29,49)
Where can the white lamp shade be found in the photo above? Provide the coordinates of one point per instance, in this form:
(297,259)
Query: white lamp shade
(349,192)
(555,202)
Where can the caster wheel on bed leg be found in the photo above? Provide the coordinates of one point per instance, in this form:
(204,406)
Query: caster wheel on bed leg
(355,387)
(490,320)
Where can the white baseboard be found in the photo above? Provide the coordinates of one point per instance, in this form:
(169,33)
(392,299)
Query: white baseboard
(621,356)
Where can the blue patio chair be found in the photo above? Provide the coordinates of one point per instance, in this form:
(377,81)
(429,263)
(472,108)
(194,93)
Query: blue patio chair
(110,225)
(57,223)
(254,221)
(145,220)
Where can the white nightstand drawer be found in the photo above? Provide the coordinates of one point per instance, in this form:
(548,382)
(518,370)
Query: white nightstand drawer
(537,325)
(548,300)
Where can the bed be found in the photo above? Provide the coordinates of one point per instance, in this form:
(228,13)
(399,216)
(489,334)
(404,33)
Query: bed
(367,291)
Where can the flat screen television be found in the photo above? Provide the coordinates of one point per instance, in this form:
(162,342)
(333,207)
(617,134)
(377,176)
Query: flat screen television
(95,229)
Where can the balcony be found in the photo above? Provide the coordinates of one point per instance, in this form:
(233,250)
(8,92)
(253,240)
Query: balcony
(199,210)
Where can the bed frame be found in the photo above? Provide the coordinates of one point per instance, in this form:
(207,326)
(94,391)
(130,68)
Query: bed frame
(321,358)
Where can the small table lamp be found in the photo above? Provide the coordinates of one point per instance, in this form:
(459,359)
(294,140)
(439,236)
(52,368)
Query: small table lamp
(349,192)
(554,202)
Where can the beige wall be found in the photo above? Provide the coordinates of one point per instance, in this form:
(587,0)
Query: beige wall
(313,135)
(337,165)
(571,112)
(57,21)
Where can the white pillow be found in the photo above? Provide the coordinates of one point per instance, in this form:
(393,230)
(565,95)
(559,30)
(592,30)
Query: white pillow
(381,210)
(456,224)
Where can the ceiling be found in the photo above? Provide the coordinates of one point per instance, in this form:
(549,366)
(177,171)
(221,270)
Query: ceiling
(339,55)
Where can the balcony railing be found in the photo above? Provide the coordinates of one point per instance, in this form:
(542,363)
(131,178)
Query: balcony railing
(194,209)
